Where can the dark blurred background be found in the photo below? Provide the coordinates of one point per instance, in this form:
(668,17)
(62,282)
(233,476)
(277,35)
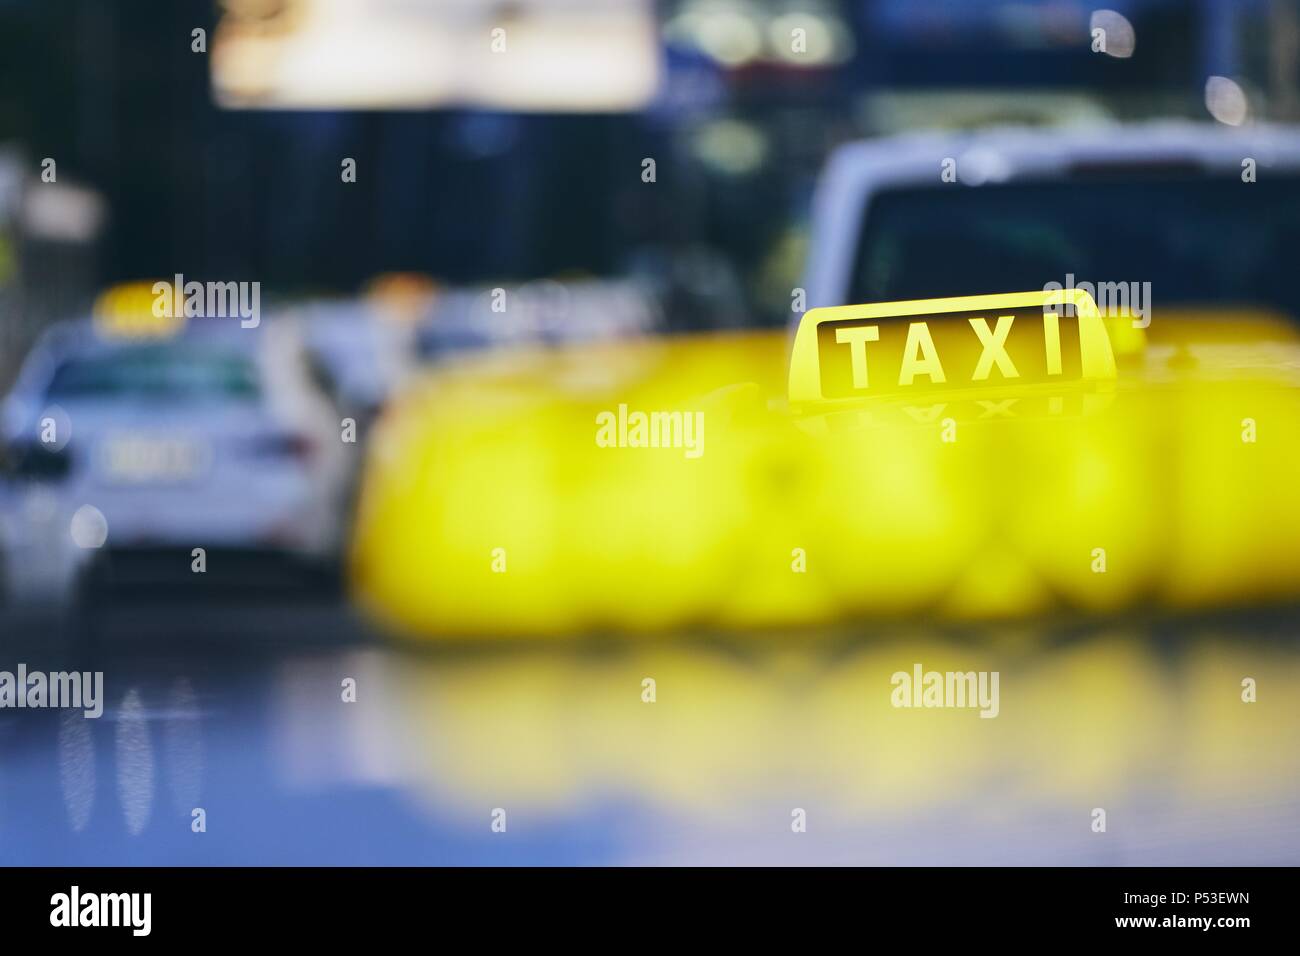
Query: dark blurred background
(177,183)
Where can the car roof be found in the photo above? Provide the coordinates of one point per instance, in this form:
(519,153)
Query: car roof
(83,337)
(1028,150)
(1008,153)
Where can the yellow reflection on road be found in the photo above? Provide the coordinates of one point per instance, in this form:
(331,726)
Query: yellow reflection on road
(1156,733)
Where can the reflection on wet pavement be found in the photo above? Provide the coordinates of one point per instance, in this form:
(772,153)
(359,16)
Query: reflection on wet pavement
(1146,723)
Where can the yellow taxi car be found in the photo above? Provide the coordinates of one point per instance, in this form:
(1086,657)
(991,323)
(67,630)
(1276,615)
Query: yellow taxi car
(1063,383)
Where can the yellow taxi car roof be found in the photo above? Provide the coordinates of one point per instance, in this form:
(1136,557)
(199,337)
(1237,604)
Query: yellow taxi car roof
(489,508)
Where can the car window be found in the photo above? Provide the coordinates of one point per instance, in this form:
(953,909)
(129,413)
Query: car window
(1195,239)
(152,372)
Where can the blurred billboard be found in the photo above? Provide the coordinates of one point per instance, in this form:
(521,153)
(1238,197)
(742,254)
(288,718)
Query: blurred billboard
(565,55)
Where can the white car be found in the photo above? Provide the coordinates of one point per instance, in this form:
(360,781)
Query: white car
(125,455)
(1196,213)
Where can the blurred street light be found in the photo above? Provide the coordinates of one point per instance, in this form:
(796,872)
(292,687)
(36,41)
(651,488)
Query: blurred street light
(1226,100)
(1120,37)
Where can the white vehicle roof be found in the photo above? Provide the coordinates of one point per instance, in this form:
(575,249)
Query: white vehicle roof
(272,346)
(857,170)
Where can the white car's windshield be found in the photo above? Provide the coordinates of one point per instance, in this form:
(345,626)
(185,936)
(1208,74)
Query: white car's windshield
(172,373)
(1195,239)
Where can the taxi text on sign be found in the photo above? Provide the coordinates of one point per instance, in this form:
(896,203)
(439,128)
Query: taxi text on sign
(953,344)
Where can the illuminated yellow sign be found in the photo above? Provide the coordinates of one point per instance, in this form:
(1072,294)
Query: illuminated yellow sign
(127,311)
(954,344)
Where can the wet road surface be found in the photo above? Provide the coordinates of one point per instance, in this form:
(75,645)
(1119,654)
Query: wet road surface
(235,716)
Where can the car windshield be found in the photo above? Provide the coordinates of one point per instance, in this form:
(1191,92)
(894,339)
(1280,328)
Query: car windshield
(1196,240)
(157,372)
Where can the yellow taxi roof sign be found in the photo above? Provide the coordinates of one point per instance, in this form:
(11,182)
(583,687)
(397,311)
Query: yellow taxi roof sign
(132,310)
(957,344)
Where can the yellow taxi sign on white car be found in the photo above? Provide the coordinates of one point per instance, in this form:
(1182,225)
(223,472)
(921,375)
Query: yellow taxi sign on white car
(128,310)
(957,344)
